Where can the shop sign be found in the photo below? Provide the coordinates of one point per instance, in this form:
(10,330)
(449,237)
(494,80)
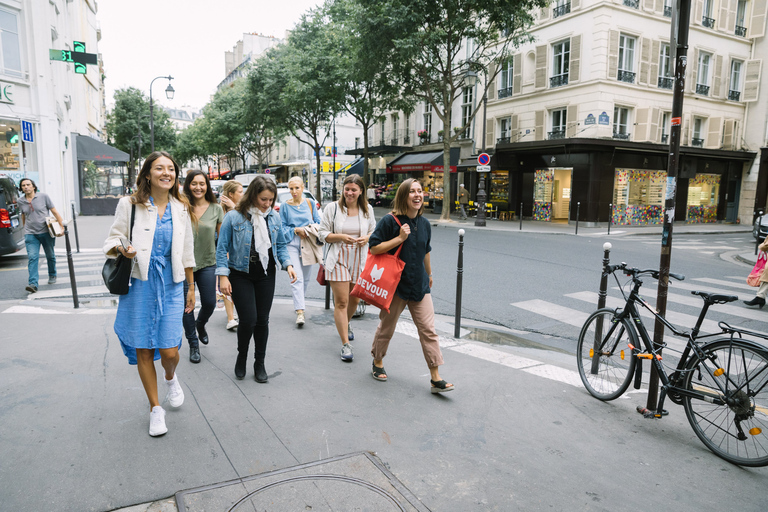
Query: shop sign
(6,92)
(604,119)
(590,119)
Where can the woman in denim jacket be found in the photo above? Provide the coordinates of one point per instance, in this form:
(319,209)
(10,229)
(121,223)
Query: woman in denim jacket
(249,241)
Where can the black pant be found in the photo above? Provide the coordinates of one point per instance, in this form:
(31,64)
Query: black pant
(205,278)
(252,295)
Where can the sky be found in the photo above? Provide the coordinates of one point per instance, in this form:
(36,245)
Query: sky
(186,39)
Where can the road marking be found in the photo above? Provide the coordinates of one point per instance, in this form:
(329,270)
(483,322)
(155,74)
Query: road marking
(709,280)
(554,311)
(10,269)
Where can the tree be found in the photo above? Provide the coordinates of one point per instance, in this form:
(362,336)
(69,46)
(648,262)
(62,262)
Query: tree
(190,144)
(438,46)
(222,123)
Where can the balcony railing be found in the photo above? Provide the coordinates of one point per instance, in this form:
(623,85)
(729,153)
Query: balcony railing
(635,4)
(558,80)
(740,31)
(406,140)
(708,22)
(382,143)
(664,138)
(556,134)
(668,11)
(394,141)
(734,95)
(561,10)
(502,140)
(626,76)
(425,139)
(702,89)
(505,92)
(666,82)
(699,143)
(621,136)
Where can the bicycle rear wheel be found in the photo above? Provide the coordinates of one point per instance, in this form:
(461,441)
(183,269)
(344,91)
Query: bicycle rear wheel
(733,420)
(605,361)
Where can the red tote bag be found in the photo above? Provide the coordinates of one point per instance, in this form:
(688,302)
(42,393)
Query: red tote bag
(757,271)
(379,279)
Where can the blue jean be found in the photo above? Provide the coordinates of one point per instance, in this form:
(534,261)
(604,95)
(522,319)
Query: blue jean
(205,280)
(33,243)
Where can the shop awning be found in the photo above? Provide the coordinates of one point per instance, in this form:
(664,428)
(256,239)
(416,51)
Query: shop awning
(356,167)
(431,161)
(272,170)
(92,149)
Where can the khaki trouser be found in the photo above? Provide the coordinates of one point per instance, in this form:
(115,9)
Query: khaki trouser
(423,315)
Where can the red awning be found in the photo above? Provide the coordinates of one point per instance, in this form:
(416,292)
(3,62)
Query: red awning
(430,161)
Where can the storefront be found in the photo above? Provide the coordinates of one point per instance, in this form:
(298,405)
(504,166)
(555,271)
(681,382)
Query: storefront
(638,197)
(552,194)
(427,167)
(103,176)
(15,153)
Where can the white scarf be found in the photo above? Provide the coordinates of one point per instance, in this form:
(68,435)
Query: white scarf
(261,240)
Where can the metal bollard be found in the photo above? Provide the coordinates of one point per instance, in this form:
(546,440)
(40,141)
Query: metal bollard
(74,222)
(71,263)
(578,205)
(601,297)
(610,217)
(327,295)
(459,282)
(521,216)
(757,214)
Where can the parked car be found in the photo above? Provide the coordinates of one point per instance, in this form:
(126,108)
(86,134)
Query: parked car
(216,186)
(11,229)
(760,227)
(283,195)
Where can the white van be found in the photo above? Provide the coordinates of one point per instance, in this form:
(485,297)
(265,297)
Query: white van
(247,178)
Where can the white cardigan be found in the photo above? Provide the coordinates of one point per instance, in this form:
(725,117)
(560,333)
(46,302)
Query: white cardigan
(333,222)
(182,245)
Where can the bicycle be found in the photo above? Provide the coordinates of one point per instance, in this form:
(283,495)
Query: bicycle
(722,383)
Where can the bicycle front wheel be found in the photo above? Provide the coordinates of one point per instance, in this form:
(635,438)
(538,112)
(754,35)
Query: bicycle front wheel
(605,361)
(732,419)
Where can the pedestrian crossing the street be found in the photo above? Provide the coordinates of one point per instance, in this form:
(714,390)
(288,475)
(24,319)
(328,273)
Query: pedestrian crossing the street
(87,266)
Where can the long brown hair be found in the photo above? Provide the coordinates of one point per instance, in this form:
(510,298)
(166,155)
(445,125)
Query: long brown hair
(362,202)
(228,189)
(400,204)
(191,175)
(257,186)
(144,189)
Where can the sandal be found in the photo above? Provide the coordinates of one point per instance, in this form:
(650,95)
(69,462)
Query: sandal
(440,386)
(379,373)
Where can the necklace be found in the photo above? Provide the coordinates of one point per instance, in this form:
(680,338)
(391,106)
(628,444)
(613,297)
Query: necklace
(415,225)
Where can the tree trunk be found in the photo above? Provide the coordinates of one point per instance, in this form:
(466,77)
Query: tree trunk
(365,154)
(318,196)
(446,213)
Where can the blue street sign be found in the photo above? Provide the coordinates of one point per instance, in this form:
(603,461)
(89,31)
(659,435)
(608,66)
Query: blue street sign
(26,132)
(590,119)
(603,119)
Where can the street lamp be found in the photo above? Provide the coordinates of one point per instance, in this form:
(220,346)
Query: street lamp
(169,91)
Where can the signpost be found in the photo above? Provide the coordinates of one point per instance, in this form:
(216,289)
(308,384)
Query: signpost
(77,56)
(483,160)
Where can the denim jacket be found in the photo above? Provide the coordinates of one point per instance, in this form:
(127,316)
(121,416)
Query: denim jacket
(235,238)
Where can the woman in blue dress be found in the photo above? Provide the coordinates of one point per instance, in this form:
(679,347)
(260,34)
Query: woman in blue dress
(148,322)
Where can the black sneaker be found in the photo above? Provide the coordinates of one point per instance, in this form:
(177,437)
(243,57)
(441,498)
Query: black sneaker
(31,288)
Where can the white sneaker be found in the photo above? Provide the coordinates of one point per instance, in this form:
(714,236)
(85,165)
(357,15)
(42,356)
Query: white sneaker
(300,318)
(175,394)
(232,324)
(157,422)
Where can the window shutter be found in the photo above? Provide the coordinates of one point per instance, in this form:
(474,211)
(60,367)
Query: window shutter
(722,17)
(544,14)
(698,10)
(491,94)
(693,66)
(728,131)
(686,130)
(752,80)
(641,124)
(717,76)
(732,6)
(653,125)
(539,135)
(757,23)
(613,54)
(653,79)
(517,74)
(575,59)
(541,67)
(571,120)
(575,4)
(645,60)
(658,6)
(490,133)
(715,132)
(513,128)
(648,5)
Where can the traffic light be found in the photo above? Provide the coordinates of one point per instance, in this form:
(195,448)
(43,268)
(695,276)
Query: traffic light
(12,136)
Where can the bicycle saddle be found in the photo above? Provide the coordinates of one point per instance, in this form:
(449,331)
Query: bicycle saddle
(713,298)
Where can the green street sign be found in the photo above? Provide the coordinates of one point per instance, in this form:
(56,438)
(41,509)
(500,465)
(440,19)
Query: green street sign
(78,56)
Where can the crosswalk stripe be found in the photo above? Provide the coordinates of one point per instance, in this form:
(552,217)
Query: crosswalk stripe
(742,286)
(676,285)
(554,311)
(67,292)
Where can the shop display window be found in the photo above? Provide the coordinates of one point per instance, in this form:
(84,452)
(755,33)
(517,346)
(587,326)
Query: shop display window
(542,194)
(703,198)
(499,187)
(638,197)
(11,146)
(103,180)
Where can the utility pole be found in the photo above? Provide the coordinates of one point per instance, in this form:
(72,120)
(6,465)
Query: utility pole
(681,13)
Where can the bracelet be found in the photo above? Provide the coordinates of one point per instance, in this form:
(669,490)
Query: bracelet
(430,275)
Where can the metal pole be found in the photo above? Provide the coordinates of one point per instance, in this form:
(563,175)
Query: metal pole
(71,263)
(679,34)
(74,223)
(459,282)
(601,297)
(521,216)
(578,205)
(334,159)
(610,217)
(152,112)
(327,295)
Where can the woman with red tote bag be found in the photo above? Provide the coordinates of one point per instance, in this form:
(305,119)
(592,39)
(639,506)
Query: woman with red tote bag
(414,235)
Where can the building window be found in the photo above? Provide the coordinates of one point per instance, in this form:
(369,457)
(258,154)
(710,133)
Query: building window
(561,53)
(668,8)
(627,59)
(505,83)
(561,8)
(735,89)
(665,67)
(638,197)
(698,130)
(395,122)
(665,126)
(467,104)
(9,41)
(706,18)
(702,76)
(741,9)
(558,124)
(620,122)
(427,123)
(703,198)
(382,126)
(635,4)
(505,127)
(407,131)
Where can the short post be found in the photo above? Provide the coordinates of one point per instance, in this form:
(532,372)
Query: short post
(74,223)
(578,205)
(327,295)
(757,214)
(601,297)
(521,216)
(71,263)
(459,280)
(610,217)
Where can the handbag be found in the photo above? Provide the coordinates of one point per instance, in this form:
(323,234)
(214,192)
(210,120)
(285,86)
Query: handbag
(757,271)
(379,279)
(116,272)
(321,272)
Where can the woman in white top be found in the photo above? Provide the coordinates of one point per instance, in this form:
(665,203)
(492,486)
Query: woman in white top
(345,229)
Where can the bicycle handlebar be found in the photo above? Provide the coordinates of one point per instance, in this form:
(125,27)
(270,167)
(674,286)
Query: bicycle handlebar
(635,272)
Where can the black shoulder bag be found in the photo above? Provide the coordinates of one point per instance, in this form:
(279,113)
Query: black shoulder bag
(117,271)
